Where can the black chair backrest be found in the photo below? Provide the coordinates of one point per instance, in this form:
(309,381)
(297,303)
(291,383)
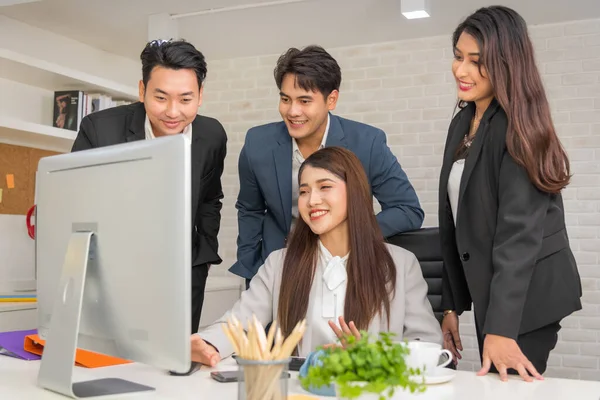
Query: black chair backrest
(424,243)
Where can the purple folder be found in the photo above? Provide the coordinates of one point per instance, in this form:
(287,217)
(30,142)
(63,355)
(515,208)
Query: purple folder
(11,344)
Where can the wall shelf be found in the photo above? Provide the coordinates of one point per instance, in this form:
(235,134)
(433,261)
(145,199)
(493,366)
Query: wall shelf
(47,75)
(36,72)
(29,134)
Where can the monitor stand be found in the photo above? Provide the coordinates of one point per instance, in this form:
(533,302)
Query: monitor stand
(58,359)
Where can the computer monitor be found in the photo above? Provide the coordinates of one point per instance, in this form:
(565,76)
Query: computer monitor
(113,260)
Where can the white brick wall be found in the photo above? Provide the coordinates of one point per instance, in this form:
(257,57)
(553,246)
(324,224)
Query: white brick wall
(406,89)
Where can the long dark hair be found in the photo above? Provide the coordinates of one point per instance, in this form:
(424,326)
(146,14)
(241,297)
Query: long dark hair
(507,54)
(371,270)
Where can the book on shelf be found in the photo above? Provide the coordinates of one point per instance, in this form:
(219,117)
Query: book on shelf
(71,106)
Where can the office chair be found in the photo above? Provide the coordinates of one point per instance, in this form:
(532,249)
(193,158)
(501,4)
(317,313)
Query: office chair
(424,243)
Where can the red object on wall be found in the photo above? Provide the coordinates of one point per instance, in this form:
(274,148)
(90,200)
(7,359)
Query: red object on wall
(30,227)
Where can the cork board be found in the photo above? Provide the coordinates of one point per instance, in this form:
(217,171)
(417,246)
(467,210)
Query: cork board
(18,166)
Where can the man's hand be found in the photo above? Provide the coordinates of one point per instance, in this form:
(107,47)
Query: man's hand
(451,336)
(505,353)
(203,352)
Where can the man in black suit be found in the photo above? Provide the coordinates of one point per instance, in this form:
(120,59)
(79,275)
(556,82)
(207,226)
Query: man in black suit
(170,93)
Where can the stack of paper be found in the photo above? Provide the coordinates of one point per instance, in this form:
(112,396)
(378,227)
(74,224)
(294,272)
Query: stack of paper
(13,297)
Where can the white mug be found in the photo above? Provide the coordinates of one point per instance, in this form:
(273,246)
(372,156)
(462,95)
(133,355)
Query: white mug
(426,356)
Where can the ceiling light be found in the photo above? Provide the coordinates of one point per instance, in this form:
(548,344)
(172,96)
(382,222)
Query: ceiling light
(4,3)
(413,9)
(235,8)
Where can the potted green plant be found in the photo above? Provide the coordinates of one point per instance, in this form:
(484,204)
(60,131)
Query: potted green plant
(364,369)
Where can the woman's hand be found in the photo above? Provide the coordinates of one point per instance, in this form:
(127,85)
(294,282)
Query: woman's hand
(203,352)
(451,336)
(505,353)
(344,330)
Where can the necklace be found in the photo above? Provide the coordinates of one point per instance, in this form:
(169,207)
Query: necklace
(470,136)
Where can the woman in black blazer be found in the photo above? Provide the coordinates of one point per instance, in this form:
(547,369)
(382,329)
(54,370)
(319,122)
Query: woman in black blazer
(501,215)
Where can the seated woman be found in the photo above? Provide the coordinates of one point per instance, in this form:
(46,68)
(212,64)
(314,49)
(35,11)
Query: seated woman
(336,267)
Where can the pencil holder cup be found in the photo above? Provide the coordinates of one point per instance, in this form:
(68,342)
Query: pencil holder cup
(263,379)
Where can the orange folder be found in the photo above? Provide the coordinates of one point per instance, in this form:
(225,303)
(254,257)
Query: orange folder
(83,358)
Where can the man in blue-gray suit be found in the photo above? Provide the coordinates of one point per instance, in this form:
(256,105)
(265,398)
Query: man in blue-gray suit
(309,82)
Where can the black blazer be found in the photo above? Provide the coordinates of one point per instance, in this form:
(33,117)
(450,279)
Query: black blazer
(509,253)
(209,146)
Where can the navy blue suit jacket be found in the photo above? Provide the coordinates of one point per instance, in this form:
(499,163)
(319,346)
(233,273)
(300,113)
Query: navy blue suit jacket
(264,201)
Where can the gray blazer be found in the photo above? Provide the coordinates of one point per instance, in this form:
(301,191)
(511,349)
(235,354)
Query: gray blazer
(411,315)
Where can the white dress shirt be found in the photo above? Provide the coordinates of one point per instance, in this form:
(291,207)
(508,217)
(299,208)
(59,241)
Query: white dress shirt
(150,133)
(454,185)
(326,300)
(297,160)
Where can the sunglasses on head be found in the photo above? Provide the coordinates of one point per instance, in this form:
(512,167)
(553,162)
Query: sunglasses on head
(159,42)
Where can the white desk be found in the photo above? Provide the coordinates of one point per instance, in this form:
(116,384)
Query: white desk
(18,316)
(18,381)
(17,306)
(220,295)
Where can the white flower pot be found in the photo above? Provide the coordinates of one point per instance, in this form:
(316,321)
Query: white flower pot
(365,396)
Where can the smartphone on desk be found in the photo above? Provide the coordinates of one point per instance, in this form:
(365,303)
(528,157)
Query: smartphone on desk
(296,363)
(224,376)
(232,376)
